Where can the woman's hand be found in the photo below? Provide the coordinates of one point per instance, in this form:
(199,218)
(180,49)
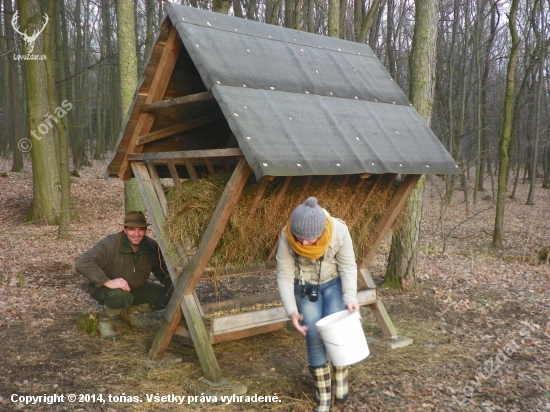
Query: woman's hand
(296,318)
(352,306)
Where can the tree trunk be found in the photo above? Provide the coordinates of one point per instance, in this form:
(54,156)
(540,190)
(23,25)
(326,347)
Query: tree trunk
(15,91)
(538,114)
(333,18)
(60,111)
(405,245)
(389,40)
(46,184)
(127,58)
(498,233)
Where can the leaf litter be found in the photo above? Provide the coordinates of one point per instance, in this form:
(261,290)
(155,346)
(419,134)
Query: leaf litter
(479,318)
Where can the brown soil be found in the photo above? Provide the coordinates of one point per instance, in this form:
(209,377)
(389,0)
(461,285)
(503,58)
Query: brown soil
(477,314)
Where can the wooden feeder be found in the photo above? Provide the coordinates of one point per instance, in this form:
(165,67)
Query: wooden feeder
(222,94)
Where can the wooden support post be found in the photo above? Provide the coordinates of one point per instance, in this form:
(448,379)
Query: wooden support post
(158,187)
(174,174)
(183,289)
(352,198)
(191,171)
(275,206)
(178,128)
(363,277)
(359,212)
(200,337)
(307,183)
(324,188)
(209,166)
(255,203)
(396,204)
(383,319)
(179,101)
(169,251)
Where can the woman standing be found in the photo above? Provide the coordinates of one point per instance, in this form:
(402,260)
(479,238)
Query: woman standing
(317,276)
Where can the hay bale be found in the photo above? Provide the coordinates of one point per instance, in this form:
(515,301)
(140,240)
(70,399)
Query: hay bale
(191,208)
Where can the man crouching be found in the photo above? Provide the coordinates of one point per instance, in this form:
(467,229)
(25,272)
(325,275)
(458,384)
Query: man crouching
(118,268)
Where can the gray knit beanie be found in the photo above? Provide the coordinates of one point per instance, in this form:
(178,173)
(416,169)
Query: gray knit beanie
(308,220)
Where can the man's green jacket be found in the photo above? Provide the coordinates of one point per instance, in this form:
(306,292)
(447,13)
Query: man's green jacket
(113,257)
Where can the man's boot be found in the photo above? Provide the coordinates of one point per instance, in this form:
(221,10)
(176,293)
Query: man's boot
(105,325)
(341,388)
(130,315)
(321,381)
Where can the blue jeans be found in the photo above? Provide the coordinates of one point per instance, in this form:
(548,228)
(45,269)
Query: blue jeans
(330,301)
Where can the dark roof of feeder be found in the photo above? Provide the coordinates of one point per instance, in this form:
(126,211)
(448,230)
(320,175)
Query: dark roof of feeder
(304,104)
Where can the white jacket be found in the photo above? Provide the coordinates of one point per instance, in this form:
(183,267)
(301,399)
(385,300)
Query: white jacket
(338,261)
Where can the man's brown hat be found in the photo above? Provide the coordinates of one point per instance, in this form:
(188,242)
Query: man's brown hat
(135,219)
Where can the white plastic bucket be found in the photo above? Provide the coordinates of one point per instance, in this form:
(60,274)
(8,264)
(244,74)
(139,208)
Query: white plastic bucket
(344,338)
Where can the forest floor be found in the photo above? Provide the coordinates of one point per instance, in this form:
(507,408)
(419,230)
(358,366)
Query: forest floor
(480,319)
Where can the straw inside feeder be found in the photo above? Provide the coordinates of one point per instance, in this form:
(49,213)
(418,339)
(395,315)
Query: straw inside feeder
(250,242)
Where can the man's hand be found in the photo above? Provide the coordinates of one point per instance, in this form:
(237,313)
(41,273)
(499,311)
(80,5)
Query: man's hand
(296,318)
(352,306)
(117,283)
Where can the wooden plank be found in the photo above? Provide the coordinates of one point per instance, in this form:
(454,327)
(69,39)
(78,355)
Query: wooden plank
(158,187)
(179,101)
(174,173)
(364,273)
(395,206)
(209,166)
(192,273)
(307,183)
(255,203)
(324,187)
(191,170)
(361,208)
(160,81)
(245,333)
(201,339)
(224,337)
(280,196)
(351,199)
(188,154)
(383,319)
(178,128)
(246,320)
(162,339)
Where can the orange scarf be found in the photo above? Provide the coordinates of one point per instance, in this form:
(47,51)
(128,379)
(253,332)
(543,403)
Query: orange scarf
(313,252)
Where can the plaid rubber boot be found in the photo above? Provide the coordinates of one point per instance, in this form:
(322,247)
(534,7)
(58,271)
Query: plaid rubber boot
(341,388)
(321,381)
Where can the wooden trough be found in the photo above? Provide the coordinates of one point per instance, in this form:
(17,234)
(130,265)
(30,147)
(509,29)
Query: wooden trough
(188,120)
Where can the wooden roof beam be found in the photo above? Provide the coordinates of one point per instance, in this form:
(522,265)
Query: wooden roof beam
(179,101)
(162,76)
(188,154)
(178,128)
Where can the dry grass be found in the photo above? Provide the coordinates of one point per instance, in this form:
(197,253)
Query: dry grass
(244,243)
